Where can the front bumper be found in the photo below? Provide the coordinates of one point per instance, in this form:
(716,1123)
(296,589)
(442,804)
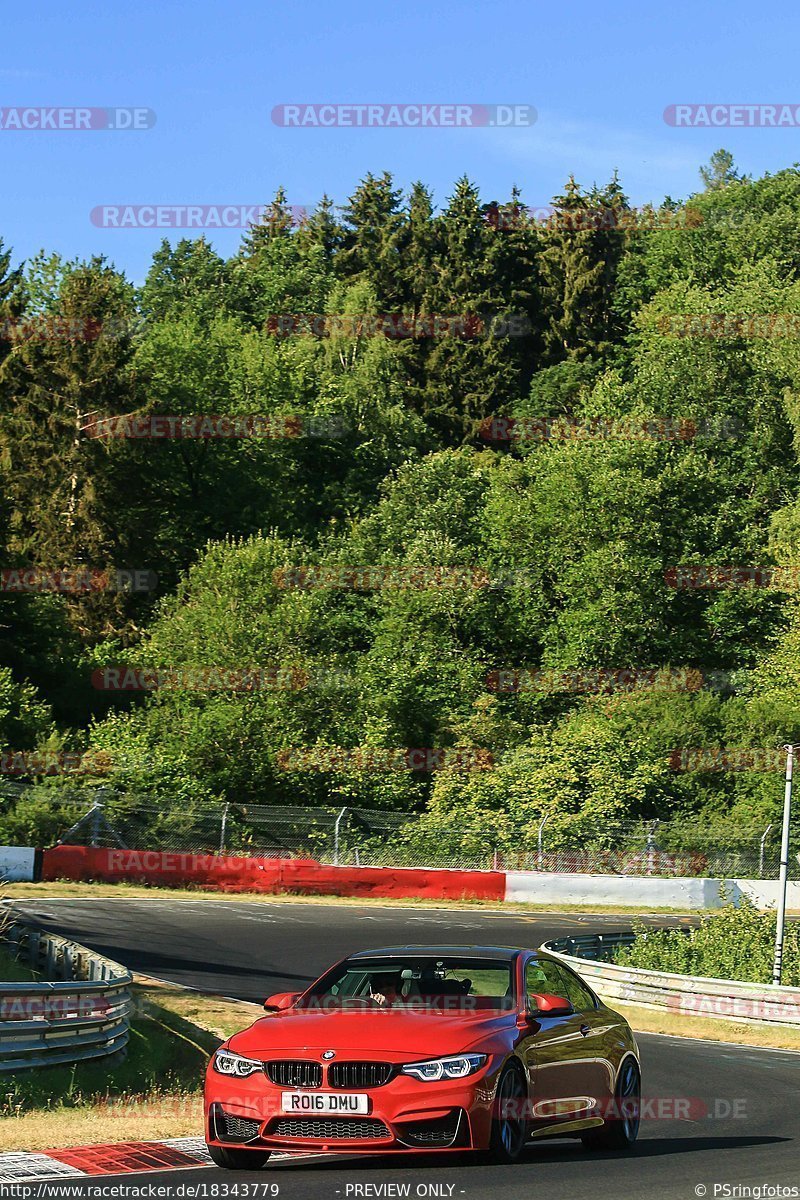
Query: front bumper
(404,1115)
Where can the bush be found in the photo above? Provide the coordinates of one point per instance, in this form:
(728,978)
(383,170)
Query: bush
(732,943)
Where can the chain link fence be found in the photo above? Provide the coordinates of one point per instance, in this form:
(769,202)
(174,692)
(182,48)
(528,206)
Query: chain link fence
(356,836)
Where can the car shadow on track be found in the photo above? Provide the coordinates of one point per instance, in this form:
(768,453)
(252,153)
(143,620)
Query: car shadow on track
(554,1152)
(649,1148)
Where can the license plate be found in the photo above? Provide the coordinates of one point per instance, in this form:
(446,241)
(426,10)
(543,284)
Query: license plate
(324,1102)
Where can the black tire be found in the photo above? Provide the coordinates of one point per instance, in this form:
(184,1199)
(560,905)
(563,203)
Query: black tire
(238,1160)
(622,1130)
(509,1128)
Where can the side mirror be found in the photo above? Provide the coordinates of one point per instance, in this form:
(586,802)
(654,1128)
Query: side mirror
(281,1000)
(545,1004)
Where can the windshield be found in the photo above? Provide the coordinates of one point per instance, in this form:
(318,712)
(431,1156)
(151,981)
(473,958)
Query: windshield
(446,983)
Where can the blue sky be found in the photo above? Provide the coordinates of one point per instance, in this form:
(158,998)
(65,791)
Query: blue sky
(599,75)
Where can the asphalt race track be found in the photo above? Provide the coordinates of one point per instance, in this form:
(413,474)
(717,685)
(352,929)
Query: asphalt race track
(739,1128)
(249,949)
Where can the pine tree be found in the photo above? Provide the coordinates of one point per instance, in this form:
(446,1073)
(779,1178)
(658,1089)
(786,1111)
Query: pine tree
(573,278)
(470,376)
(192,275)
(66,507)
(276,223)
(463,241)
(321,230)
(12,301)
(512,258)
(611,208)
(417,248)
(720,171)
(370,249)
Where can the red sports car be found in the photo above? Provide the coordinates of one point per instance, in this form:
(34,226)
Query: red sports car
(432,1048)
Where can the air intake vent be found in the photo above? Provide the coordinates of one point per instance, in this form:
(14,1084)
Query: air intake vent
(431,1133)
(359,1074)
(330,1131)
(229,1128)
(290,1073)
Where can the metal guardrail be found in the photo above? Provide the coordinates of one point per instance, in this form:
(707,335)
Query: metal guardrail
(594,946)
(79,1010)
(686,995)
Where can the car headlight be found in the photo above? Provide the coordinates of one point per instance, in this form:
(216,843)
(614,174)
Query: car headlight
(228,1063)
(445,1068)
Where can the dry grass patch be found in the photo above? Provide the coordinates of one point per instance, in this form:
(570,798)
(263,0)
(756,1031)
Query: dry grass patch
(707,1029)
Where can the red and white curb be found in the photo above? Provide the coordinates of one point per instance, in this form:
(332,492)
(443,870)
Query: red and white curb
(112,1158)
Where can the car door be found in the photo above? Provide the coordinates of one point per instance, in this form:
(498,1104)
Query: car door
(565,1081)
(600,1046)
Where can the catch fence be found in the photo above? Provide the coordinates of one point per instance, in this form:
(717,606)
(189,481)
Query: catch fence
(354,836)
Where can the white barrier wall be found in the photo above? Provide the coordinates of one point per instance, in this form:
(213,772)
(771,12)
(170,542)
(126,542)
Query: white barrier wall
(535,888)
(17,864)
(764,892)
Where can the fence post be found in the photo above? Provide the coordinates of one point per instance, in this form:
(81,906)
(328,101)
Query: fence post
(539,836)
(222,828)
(761,851)
(97,809)
(651,846)
(336,838)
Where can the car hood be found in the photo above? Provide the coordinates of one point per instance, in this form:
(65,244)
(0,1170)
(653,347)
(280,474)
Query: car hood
(415,1033)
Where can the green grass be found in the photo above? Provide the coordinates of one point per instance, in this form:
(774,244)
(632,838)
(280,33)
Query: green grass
(12,971)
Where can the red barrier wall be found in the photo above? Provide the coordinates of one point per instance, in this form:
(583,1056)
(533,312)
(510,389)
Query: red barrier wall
(295,875)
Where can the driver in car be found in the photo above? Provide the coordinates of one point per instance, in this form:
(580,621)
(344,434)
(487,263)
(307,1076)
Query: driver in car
(385,990)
